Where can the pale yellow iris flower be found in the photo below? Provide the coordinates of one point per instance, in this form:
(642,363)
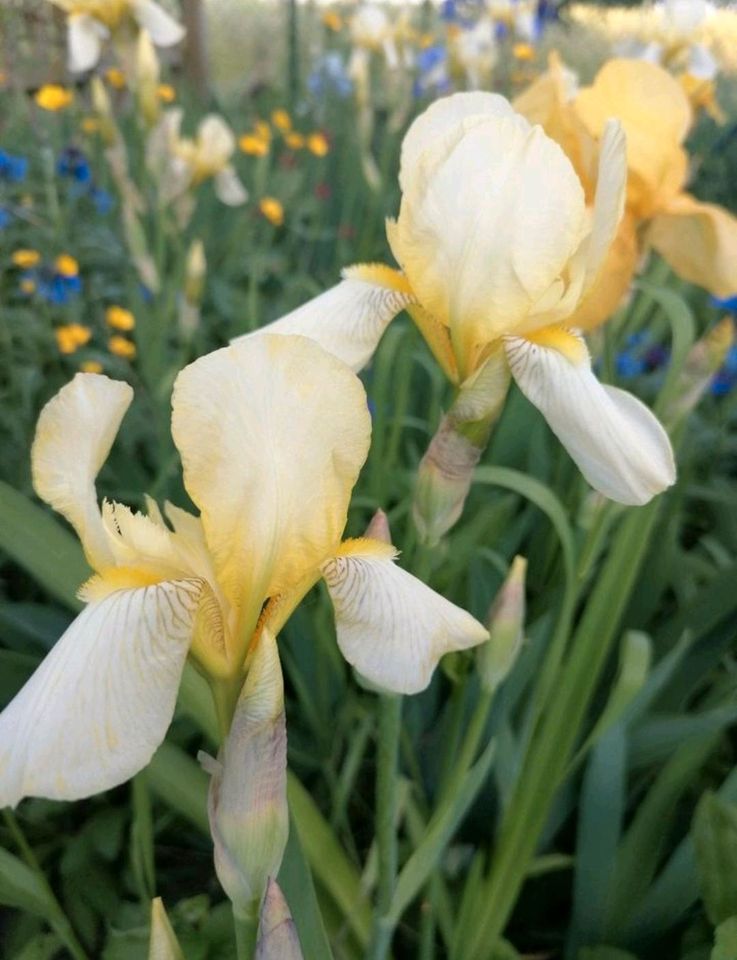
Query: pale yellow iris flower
(497,248)
(91,23)
(693,39)
(272,434)
(183,163)
(698,240)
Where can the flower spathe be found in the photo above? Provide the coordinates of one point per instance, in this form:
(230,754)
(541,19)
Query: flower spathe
(497,247)
(272,433)
(90,23)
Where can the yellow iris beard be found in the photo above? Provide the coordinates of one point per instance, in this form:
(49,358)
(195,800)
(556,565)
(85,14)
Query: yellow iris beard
(560,339)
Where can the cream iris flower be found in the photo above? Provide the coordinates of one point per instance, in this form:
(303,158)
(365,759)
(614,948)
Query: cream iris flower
(272,434)
(699,240)
(91,22)
(183,163)
(497,248)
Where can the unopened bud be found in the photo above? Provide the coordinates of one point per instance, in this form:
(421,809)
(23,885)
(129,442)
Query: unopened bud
(277,934)
(104,112)
(378,529)
(704,359)
(247,802)
(443,481)
(163,944)
(194,285)
(147,79)
(138,248)
(195,270)
(498,655)
(446,470)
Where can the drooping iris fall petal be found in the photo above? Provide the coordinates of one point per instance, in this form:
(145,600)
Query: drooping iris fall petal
(99,705)
(615,440)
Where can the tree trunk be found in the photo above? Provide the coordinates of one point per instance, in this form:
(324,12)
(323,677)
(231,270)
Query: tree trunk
(195,48)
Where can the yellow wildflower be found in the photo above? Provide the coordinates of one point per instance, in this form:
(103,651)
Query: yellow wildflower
(253,145)
(28,286)
(272,209)
(66,266)
(332,20)
(91,366)
(53,97)
(71,337)
(119,318)
(25,259)
(317,143)
(294,140)
(115,77)
(263,130)
(523,51)
(281,120)
(166,93)
(90,125)
(122,347)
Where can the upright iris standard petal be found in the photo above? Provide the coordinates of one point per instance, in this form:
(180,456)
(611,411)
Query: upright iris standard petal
(441,118)
(390,626)
(349,319)
(273,432)
(99,705)
(482,238)
(74,435)
(656,116)
(616,442)
(216,142)
(611,189)
(163,28)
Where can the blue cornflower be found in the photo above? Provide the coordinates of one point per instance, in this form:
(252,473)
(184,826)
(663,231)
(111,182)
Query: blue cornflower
(102,199)
(722,384)
(727,303)
(56,288)
(73,163)
(6,218)
(433,71)
(430,57)
(730,361)
(448,11)
(329,75)
(629,364)
(13,168)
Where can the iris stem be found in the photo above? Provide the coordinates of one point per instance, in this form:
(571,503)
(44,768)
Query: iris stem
(387,795)
(246,932)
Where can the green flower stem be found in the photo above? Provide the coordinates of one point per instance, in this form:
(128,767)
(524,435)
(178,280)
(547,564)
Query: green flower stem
(387,794)
(559,729)
(246,931)
(469,746)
